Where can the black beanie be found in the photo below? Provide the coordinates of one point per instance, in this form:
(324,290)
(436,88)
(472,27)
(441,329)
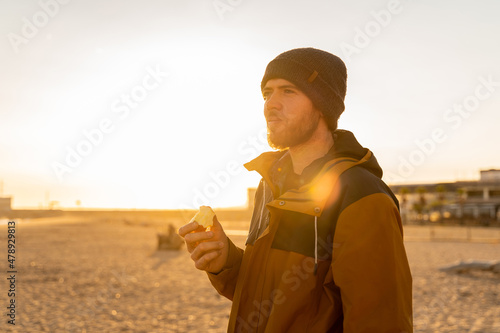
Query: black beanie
(322,76)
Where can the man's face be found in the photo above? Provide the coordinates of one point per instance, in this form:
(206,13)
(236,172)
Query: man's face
(291,116)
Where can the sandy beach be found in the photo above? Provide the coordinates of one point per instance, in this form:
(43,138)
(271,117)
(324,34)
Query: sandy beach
(107,276)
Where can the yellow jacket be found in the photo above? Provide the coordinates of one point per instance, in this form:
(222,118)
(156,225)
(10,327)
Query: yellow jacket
(327,256)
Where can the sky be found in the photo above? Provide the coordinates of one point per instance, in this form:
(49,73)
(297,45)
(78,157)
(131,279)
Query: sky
(157,104)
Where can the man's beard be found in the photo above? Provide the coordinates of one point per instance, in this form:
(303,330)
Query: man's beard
(293,134)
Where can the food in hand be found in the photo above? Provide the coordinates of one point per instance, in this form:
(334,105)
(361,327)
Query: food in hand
(205,217)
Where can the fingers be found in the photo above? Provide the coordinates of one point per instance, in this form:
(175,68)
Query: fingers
(187,228)
(205,248)
(196,237)
(203,262)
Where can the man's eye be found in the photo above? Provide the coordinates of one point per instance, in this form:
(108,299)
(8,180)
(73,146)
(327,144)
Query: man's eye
(289,91)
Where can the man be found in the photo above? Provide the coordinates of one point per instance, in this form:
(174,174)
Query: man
(325,249)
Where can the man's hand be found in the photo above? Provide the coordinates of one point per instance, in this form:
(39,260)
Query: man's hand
(209,249)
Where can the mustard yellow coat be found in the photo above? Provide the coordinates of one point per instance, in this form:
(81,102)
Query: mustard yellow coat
(325,257)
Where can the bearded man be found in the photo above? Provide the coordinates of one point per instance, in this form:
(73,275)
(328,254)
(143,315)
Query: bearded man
(325,248)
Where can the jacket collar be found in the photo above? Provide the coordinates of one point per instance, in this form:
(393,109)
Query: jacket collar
(311,198)
(263,165)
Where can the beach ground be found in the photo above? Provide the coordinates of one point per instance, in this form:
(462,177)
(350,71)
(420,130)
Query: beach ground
(107,276)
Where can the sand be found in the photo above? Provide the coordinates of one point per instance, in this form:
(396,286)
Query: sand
(106,276)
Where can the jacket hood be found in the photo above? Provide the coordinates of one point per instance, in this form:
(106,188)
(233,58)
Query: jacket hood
(346,145)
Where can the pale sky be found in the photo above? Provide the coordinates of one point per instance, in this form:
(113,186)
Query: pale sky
(161,99)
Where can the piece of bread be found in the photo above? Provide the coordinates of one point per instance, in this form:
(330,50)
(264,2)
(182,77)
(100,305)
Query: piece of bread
(205,217)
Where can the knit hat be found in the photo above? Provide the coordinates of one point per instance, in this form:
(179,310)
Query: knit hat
(322,76)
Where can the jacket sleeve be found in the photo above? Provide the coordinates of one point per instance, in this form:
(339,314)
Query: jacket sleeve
(225,281)
(370,267)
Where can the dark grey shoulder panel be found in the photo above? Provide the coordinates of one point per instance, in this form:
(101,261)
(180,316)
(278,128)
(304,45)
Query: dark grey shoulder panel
(357,183)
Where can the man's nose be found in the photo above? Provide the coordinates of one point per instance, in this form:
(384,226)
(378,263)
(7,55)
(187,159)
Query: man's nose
(272,102)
